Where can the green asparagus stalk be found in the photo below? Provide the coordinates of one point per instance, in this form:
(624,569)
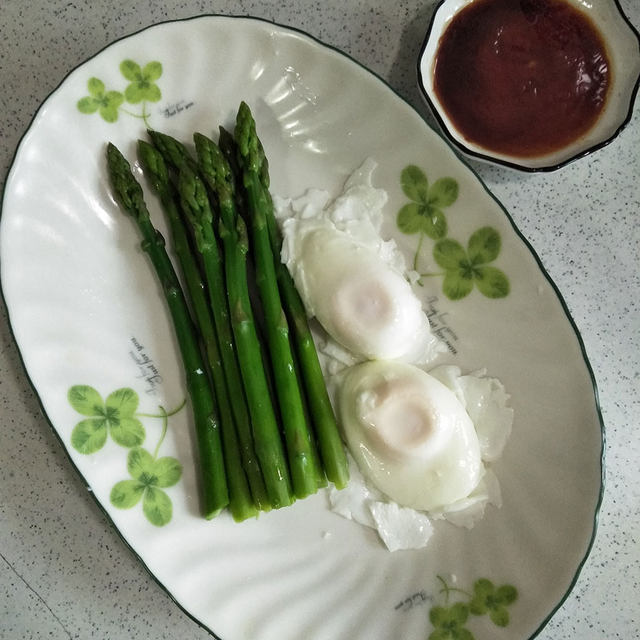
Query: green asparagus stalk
(332,452)
(267,436)
(297,435)
(241,502)
(229,148)
(172,150)
(216,173)
(176,154)
(324,419)
(267,442)
(287,288)
(331,447)
(321,478)
(212,472)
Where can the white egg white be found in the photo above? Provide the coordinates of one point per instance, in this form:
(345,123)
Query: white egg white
(485,400)
(349,278)
(366,306)
(409,435)
(401,527)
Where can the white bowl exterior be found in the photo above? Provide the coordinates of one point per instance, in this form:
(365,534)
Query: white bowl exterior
(78,289)
(623,48)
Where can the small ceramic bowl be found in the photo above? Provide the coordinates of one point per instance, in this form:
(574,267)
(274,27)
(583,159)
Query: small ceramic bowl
(622,43)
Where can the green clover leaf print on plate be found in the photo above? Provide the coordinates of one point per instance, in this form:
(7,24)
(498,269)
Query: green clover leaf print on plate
(424,215)
(464,269)
(449,620)
(142,86)
(492,600)
(99,99)
(149,476)
(141,89)
(115,416)
(118,416)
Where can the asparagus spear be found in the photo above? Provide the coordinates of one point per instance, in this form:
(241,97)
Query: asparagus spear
(176,154)
(172,150)
(229,149)
(316,395)
(268,446)
(241,503)
(321,478)
(217,174)
(332,450)
(297,435)
(212,473)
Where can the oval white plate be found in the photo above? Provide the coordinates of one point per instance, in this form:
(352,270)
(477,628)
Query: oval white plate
(85,309)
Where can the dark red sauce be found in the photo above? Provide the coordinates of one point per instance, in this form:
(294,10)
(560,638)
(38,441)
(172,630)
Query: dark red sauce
(522,77)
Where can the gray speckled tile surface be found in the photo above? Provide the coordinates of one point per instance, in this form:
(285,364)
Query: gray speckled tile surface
(64,571)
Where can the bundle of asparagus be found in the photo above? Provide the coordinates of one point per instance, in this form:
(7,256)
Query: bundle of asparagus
(265,428)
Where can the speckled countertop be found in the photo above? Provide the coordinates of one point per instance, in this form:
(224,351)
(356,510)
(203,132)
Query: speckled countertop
(65,572)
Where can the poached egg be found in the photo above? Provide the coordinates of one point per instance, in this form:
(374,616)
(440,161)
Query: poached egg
(409,434)
(350,279)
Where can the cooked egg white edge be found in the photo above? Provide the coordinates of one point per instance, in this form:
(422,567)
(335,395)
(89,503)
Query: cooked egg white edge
(485,400)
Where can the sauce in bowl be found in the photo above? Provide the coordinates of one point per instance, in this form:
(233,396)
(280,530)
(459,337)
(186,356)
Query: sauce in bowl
(521,77)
